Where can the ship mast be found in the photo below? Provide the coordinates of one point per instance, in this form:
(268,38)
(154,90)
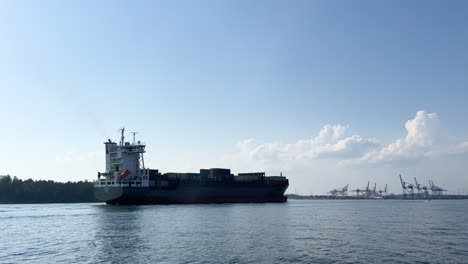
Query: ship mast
(134,133)
(122,138)
(141,161)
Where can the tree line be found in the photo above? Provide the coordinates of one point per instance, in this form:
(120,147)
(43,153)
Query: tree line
(14,190)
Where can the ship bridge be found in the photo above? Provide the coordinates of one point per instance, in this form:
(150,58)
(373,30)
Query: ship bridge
(124,162)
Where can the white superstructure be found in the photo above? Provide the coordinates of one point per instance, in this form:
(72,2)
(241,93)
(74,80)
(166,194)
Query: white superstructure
(124,163)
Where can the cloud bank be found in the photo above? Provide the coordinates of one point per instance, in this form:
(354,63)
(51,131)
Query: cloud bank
(421,135)
(328,143)
(421,141)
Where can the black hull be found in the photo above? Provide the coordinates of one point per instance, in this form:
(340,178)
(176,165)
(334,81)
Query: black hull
(193,194)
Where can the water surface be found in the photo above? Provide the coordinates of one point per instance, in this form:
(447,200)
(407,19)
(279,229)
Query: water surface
(305,231)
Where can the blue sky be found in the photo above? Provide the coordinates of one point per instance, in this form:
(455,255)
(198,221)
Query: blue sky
(195,78)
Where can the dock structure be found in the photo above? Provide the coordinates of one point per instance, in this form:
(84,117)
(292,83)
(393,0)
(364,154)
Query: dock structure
(410,191)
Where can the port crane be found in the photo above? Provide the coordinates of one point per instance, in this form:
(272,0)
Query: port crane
(341,191)
(422,189)
(383,192)
(344,190)
(364,190)
(373,192)
(408,188)
(435,189)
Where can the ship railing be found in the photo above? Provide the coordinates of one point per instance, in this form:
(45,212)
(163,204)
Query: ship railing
(131,184)
(137,183)
(104,182)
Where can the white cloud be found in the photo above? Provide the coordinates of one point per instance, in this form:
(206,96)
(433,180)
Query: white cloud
(451,150)
(421,141)
(459,149)
(312,164)
(348,147)
(329,143)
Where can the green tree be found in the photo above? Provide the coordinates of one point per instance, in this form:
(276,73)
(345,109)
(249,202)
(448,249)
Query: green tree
(14,190)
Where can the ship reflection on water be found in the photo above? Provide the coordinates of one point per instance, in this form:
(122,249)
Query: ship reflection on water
(187,233)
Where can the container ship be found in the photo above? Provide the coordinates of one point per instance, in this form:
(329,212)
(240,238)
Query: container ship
(127,181)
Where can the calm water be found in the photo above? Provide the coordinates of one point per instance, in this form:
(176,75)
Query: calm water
(294,232)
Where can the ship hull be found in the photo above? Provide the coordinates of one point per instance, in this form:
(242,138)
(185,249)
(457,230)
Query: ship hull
(193,194)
